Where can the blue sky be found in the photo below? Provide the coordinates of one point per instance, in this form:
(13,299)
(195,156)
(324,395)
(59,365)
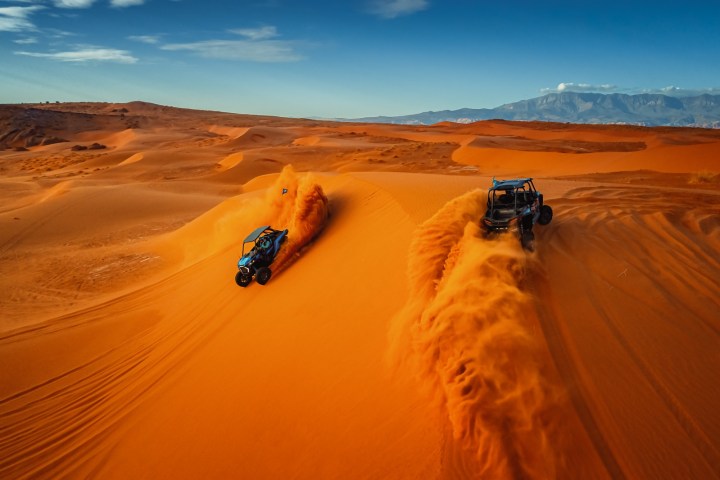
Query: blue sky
(351,58)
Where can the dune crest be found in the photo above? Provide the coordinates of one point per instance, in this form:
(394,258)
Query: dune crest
(233,132)
(307,141)
(132,159)
(56,190)
(230,161)
(121,139)
(467,332)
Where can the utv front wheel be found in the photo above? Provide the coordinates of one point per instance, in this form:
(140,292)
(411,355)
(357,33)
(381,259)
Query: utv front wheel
(546,215)
(243,280)
(262,276)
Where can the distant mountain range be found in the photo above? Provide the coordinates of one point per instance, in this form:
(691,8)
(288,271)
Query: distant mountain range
(616,108)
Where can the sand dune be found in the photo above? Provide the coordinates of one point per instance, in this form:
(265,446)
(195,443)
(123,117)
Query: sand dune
(230,161)
(113,139)
(393,340)
(135,157)
(232,132)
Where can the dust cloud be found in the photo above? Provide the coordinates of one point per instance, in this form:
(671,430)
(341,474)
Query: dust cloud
(465,332)
(297,203)
(302,209)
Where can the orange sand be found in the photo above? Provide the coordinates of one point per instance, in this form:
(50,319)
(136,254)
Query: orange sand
(392,341)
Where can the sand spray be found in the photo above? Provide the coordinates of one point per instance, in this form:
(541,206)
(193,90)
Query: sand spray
(298,203)
(465,332)
(294,201)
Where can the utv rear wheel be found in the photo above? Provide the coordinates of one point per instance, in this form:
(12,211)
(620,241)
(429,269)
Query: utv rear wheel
(262,276)
(243,280)
(546,214)
(527,240)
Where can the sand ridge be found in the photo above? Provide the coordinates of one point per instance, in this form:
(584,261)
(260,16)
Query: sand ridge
(393,341)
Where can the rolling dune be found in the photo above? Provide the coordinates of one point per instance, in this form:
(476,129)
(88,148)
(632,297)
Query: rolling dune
(136,157)
(393,340)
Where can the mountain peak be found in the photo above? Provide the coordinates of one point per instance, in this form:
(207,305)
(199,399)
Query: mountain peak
(646,109)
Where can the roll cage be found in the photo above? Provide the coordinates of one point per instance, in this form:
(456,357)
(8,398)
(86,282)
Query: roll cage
(508,199)
(258,237)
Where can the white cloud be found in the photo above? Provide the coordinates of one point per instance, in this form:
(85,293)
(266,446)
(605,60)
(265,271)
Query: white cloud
(15,19)
(86,55)
(19,12)
(26,41)
(55,33)
(151,39)
(73,3)
(256,47)
(126,3)
(262,33)
(397,8)
(242,50)
(581,87)
(674,91)
(671,91)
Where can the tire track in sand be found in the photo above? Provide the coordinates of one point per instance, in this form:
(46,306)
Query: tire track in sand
(570,377)
(620,213)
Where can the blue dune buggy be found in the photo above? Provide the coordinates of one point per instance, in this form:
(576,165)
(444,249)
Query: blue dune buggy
(515,205)
(266,243)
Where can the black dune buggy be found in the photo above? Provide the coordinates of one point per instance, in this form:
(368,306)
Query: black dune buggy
(256,262)
(515,205)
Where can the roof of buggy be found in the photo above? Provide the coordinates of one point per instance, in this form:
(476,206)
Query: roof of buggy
(255,234)
(511,184)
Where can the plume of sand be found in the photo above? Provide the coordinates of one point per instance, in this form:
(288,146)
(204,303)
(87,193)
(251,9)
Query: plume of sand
(298,203)
(465,331)
(302,209)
